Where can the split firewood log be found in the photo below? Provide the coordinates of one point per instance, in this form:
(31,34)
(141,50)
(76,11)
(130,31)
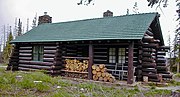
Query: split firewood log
(99,74)
(101,66)
(94,67)
(95,77)
(98,69)
(94,72)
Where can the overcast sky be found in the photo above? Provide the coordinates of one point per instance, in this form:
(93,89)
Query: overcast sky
(68,10)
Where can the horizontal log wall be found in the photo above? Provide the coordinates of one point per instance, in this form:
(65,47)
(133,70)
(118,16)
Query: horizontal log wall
(147,57)
(70,50)
(26,58)
(100,55)
(58,61)
(161,63)
(75,50)
(151,58)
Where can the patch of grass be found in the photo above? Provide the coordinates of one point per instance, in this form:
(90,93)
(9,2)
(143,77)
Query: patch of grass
(89,86)
(178,90)
(152,84)
(131,92)
(154,92)
(63,83)
(177,75)
(26,84)
(7,78)
(60,93)
(11,85)
(3,64)
(174,83)
(28,79)
(153,87)
(6,87)
(43,87)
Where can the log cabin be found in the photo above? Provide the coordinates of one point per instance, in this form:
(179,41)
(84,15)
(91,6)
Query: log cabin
(130,46)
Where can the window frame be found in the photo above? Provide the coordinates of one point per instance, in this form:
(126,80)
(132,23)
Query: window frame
(118,55)
(121,55)
(37,54)
(112,55)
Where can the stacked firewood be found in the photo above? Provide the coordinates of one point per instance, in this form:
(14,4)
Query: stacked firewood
(76,65)
(100,73)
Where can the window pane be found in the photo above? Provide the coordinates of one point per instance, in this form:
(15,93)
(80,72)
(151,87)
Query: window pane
(121,55)
(41,57)
(112,55)
(110,61)
(114,61)
(41,53)
(38,53)
(35,57)
(35,49)
(35,53)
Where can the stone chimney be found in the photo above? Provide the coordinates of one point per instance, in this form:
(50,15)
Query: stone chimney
(108,14)
(44,19)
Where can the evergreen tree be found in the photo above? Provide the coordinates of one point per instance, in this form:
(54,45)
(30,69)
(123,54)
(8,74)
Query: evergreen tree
(8,49)
(15,28)
(27,26)
(34,22)
(19,30)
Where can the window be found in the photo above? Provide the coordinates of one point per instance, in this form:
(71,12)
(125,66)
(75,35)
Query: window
(121,55)
(38,53)
(117,55)
(112,55)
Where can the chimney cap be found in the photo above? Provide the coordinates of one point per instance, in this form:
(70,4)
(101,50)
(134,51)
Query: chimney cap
(45,13)
(108,13)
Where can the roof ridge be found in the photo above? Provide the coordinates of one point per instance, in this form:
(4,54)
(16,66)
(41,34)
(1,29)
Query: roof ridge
(103,18)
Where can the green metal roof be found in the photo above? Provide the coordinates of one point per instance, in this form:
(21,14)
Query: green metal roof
(117,27)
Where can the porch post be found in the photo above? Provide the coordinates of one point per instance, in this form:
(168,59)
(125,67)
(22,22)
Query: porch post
(130,63)
(90,61)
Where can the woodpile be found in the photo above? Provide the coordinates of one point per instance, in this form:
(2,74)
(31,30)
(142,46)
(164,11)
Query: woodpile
(76,68)
(100,73)
(76,65)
